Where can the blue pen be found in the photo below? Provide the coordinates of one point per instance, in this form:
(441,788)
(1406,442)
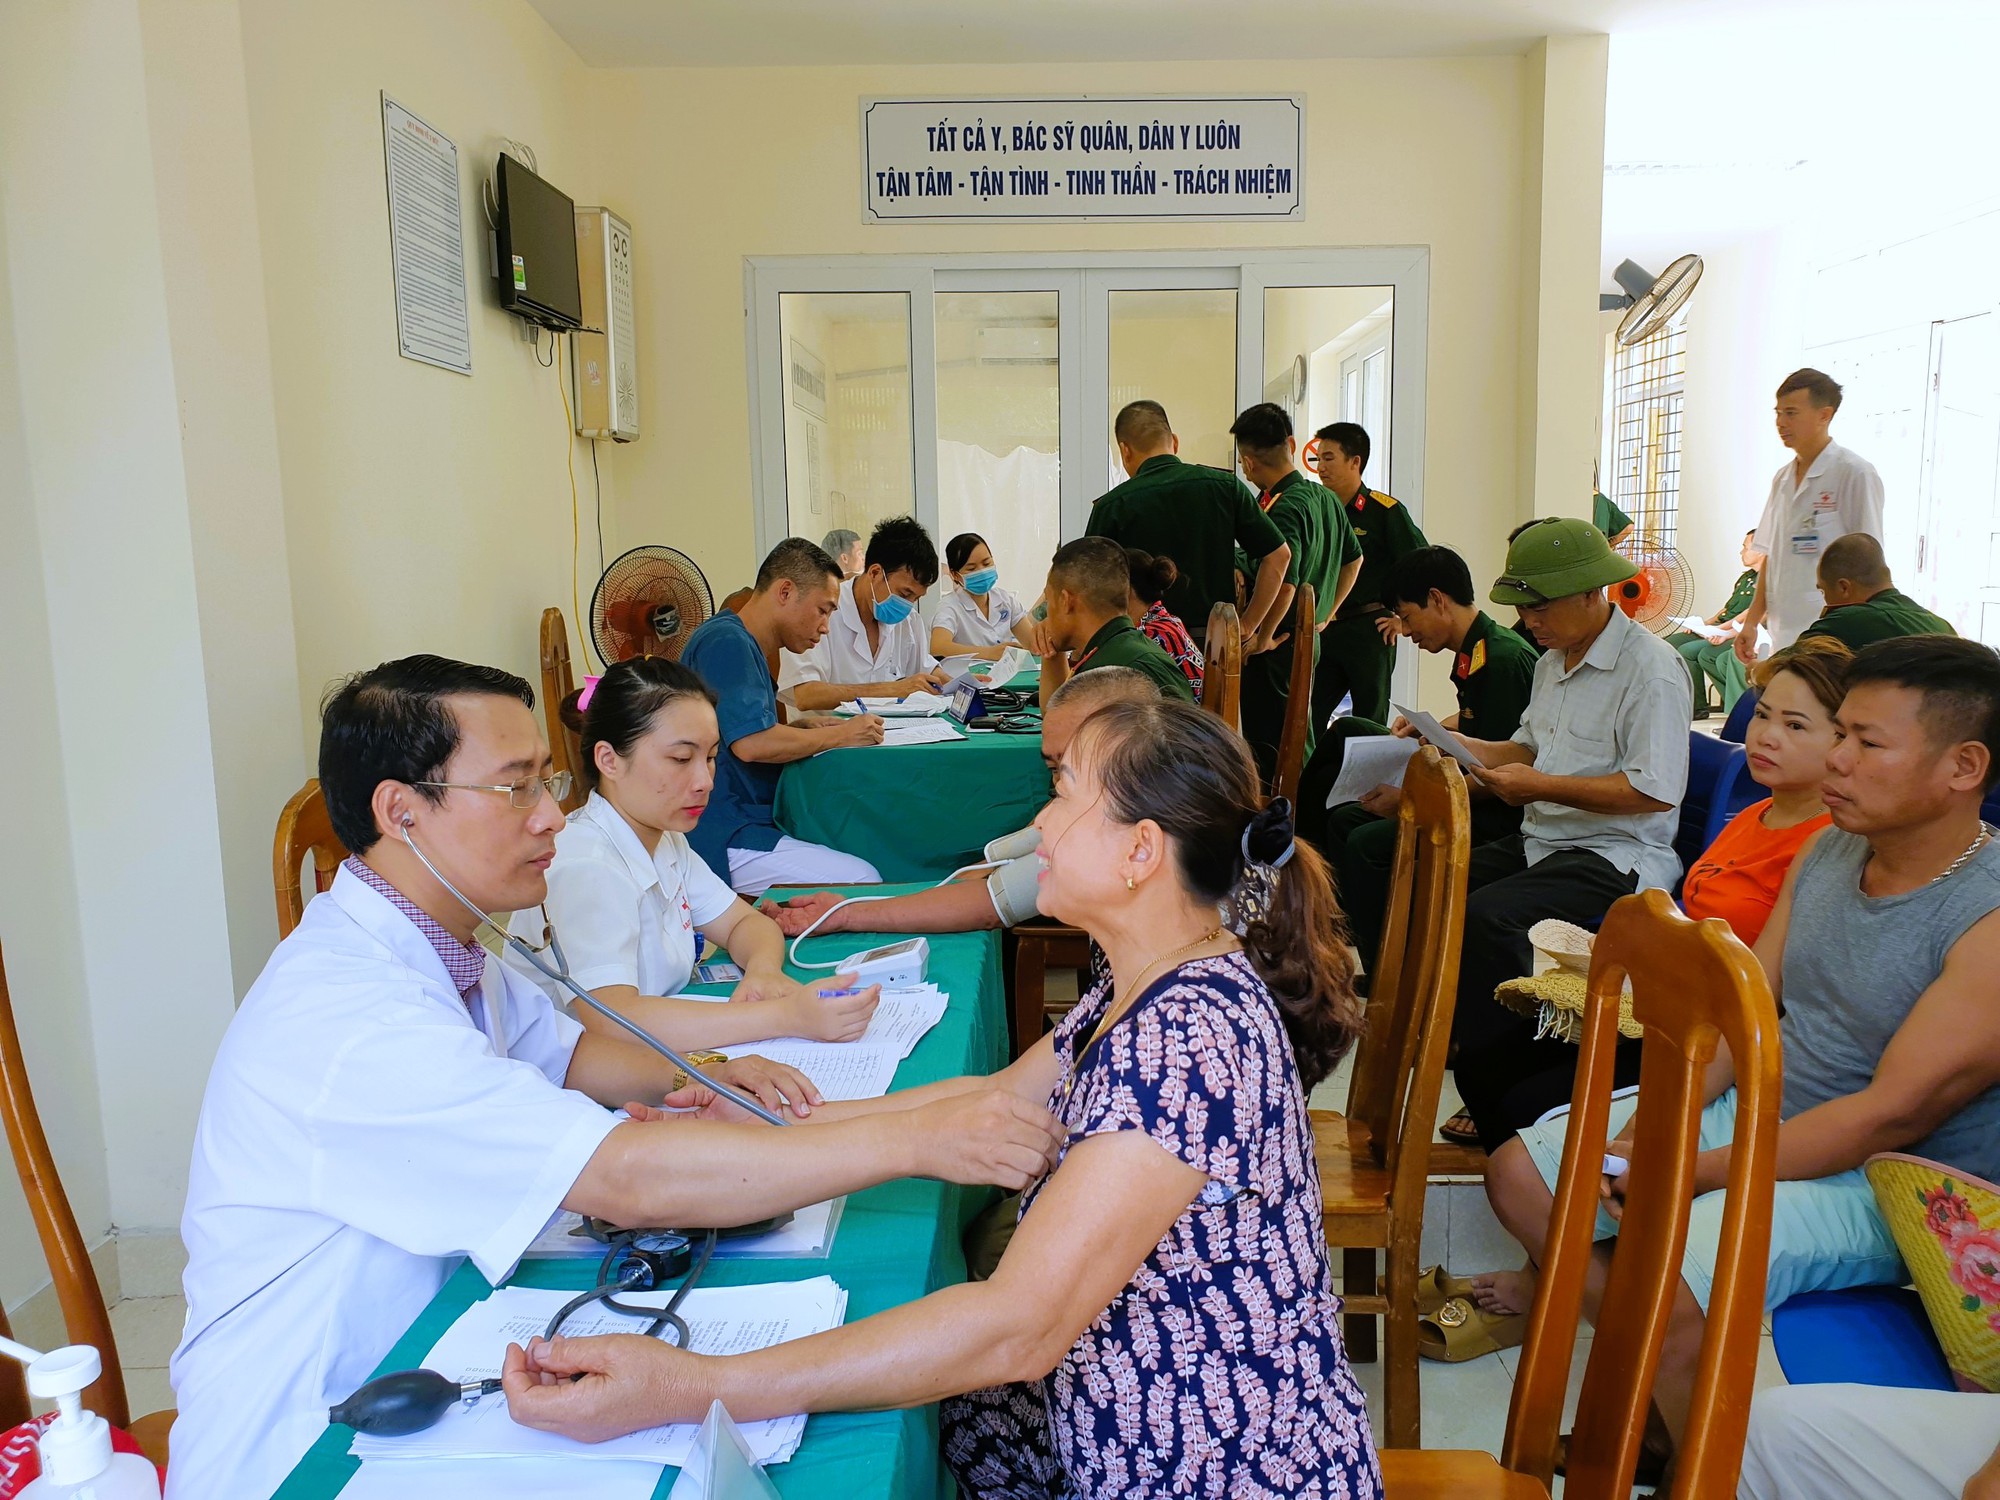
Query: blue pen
(837,994)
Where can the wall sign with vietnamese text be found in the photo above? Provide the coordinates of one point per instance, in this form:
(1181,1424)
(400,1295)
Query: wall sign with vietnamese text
(1091,157)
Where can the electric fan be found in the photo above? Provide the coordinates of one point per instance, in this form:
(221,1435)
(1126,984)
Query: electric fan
(1650,300)
(648,603)
(1662,589)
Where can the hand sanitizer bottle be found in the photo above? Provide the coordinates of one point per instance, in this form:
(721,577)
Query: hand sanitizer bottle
(77,1460)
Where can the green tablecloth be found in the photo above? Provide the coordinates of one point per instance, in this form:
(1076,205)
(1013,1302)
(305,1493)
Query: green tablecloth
(916,812)
(894,1243)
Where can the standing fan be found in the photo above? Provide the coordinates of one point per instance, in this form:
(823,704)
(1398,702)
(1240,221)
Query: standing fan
(648,603)
(1662,588)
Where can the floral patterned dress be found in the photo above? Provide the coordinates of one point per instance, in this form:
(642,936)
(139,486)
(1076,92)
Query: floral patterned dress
(1219,1370)
(1167,632)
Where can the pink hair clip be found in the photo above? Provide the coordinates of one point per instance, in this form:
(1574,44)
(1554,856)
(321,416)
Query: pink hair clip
(589,690)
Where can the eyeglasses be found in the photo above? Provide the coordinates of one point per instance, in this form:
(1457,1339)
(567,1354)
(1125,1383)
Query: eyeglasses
(522,794)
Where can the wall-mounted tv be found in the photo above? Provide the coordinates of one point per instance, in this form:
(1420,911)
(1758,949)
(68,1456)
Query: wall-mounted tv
(535,244)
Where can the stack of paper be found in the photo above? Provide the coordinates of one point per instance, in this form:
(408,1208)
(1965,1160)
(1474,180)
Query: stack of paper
(920,732)
(865,1068)
(807,1236)
(723,1320)
(1436,734)
(911,706)
(1369,761)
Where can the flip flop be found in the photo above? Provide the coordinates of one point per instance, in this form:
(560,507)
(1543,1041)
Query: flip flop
(1460,1330)
(1460,1135)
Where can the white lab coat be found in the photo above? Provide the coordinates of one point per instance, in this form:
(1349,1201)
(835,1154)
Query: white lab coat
(363,1131)
(624,916)
(842,654)
(959,613)
(1841,493)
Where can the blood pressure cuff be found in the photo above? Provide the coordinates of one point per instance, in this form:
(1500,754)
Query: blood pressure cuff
(1013,888)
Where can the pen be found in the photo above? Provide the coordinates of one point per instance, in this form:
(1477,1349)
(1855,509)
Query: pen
(837,994)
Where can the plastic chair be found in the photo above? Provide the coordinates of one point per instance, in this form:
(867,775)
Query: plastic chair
(85,1316)
(1222,679)
(1707,758)
(1737,725)
(1864,1335)
(1735,789)
(1291,760)
(1374,1161)
(1692,983)
(304,829)
(558,682)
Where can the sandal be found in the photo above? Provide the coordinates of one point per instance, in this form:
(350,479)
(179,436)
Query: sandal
(1460,1330)
(1655,1469)
(1435,1284)
(1460,1130)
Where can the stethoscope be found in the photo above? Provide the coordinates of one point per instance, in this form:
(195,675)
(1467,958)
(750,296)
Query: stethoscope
(561,975)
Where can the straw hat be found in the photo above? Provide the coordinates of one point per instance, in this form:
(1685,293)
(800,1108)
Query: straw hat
(1947,1225)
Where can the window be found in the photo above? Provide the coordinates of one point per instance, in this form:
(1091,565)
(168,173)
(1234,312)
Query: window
(1647,384)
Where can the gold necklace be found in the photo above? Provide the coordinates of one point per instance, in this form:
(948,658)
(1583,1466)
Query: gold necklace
(1114,1011)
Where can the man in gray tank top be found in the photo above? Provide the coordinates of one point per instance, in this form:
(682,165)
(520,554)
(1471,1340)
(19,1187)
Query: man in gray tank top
(1882,951)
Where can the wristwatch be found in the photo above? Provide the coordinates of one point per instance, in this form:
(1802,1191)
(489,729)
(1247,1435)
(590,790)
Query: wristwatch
(700,1060)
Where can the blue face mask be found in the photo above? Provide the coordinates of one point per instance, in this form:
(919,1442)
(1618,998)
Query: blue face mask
(981,580)
(893,610)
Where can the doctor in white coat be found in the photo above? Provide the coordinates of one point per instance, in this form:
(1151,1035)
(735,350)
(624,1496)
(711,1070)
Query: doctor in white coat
(389,1100)
(875,644)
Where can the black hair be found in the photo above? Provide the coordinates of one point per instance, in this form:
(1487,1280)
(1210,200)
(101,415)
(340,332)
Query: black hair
(798,560)
(1142,424)
(838,541)
(1957,679)
(1093,568)
(1413,575)
(629,696)
(1150,575)
(1261,430)
(1822,388)
(899,543)
(395,723)
(960,547)
(1351,436)
(1190,773)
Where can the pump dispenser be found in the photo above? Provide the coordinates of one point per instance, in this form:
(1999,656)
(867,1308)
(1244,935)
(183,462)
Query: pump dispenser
(76,1454)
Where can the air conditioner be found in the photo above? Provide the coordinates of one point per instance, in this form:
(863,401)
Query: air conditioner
(604,367)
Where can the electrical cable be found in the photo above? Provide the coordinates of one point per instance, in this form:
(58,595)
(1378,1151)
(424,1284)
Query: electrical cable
(575,523)
(597,485)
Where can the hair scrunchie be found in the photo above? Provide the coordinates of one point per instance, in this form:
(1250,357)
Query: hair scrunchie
(1268,843)
(589,691)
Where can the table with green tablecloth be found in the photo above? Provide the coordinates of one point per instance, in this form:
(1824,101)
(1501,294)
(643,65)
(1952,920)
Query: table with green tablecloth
(917,812)
(893,1244)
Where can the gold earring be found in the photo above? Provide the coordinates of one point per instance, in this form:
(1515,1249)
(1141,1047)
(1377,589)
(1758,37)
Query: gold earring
(1129,884)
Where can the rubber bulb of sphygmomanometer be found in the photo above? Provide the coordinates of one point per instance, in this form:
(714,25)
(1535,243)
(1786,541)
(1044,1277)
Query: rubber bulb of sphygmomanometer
(395,1405)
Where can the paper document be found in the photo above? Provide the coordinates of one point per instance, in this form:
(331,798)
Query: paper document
(920,732)
(864,1068)
(807,1237)
(1368,762)
(910,706)
(1436,734)
(1702,628)
(723,1320)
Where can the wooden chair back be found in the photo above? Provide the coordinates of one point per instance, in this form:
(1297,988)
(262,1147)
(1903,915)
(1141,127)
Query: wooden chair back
(1692,984)
(1413,989)
(1222,678)
(1298,703)
(304,831)
(558,682)
(81,1298)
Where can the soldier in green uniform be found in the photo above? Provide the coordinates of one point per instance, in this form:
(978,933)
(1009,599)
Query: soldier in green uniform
(1430,596)
(1863,604)
(1324,553)
(1609,519)
(1715,655)
(1196,515)
(1358,650)
(1089,584)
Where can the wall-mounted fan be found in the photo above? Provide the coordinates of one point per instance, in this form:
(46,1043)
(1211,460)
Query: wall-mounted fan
(1650,300)
(648,603)
(1662,589)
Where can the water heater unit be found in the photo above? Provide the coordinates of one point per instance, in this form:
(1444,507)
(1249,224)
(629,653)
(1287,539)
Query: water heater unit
(604,367)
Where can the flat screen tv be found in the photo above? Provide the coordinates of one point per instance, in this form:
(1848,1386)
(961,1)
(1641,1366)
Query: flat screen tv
(536,243)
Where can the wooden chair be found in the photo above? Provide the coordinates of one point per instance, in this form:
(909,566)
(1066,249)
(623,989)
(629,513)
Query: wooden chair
(1374,1161)
(1222,678)
(1037,948)
(303,829)
(84,1314)
(1298,703)
(1692,983)
(558,682)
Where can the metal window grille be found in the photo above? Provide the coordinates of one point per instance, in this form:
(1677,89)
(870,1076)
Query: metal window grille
(1648,382)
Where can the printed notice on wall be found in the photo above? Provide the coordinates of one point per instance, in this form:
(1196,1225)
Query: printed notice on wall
(1186,157)
(427,241)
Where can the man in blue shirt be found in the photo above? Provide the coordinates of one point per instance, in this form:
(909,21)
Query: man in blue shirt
(797,588)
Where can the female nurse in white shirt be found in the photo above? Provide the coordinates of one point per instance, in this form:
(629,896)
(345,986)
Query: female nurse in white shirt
(977,618)
(632,901)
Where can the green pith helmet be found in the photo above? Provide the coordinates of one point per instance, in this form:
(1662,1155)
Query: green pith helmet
(1554,558)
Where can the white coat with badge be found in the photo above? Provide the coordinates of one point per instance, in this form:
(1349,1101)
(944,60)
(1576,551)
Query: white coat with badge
(1841,493)
(843,654)
(364,1130)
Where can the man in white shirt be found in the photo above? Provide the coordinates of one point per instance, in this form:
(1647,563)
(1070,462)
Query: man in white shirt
(390,1100)
(1823,494)
(875,644)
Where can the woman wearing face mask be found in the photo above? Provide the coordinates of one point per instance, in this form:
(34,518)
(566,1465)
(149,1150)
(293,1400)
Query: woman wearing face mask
(1164,1319)
(978,617)
(634,905)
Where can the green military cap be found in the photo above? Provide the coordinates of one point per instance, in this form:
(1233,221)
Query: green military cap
(1553,558)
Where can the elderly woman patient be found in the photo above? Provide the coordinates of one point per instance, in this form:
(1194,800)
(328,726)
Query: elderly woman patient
(1163,1321)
